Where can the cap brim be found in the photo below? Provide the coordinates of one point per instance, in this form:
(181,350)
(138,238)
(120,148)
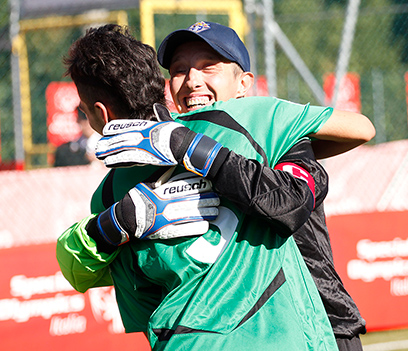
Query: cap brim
(171,42)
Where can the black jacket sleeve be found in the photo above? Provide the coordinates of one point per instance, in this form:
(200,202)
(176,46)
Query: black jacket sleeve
(274,195)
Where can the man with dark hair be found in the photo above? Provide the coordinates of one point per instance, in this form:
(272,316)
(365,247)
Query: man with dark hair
(135,67)
(229,287)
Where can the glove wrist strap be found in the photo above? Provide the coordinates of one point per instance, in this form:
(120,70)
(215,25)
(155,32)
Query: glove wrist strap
(201,154)
(110,229)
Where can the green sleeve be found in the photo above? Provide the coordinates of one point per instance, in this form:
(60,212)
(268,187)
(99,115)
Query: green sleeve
(80,262)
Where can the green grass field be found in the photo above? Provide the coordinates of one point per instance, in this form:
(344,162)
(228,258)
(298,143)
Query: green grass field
(393,340)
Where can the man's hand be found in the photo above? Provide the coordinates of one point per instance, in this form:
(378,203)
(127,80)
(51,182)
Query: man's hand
(181,207)
(129,142)
(136,142)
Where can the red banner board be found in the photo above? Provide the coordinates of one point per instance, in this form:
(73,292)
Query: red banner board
(39,310)
(348,98)
(260,88)
(371,256)
(367,216)
(62,102)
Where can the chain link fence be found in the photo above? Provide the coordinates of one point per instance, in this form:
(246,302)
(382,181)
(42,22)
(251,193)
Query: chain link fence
(297,49)
(295,44)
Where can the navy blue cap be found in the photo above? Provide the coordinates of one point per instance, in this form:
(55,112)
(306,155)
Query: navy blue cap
(222,39)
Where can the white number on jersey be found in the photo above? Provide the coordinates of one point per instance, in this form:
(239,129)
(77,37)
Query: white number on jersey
(204,251)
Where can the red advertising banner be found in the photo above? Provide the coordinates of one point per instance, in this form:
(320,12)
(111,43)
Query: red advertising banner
(260,88)
(39,310)
(348,98)
(62,102)
(371,256)
(367,216)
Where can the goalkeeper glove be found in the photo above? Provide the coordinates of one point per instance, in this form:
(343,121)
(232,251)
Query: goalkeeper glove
(181,207)
(164,143)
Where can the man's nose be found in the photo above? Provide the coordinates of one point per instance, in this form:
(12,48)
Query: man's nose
(194,78)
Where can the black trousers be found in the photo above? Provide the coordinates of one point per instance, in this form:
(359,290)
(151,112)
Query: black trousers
(353,344)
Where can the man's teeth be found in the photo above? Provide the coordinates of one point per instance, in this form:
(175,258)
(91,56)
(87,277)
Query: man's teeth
(197,102)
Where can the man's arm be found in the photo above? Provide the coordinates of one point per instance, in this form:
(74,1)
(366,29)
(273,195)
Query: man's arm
(80,262)
(85,267)
(342,132)
(281,197)
(275,195)
(180,207)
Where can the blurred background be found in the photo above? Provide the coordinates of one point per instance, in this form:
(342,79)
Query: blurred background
(349,54)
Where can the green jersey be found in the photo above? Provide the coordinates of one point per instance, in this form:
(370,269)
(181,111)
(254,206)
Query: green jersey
(240,283)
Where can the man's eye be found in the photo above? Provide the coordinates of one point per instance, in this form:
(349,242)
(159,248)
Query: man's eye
(208,67)
(178,70)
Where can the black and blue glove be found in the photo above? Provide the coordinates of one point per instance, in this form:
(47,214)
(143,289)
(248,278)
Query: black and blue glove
(181,207)
(164,143)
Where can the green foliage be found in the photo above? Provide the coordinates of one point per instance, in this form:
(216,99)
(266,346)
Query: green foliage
(57,43)
(315,29)
(400,30)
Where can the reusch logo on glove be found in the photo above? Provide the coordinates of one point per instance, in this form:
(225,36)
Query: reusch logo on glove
(182,187)
(123,125)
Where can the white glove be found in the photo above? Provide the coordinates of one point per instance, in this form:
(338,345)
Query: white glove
(181,207)
(127,142)
(136,142)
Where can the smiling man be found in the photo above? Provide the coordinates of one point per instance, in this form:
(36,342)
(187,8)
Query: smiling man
(207,63)
(200,76)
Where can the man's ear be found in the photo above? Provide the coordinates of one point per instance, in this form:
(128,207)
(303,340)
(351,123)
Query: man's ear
(102,112)
(247,81)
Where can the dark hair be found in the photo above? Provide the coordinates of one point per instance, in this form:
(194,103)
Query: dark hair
(109,65)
